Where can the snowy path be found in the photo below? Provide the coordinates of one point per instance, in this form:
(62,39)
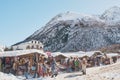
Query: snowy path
(109,72)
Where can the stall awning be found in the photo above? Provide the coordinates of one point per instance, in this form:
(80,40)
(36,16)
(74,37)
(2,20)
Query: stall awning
(20,52)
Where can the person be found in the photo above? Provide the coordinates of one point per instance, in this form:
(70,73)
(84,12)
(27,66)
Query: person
(111,60)
(40,69)
(7,64)
(84,64)
(34,69)
(14,68)
(54,68)
(80,65)
(44,68)
(26,68)
(69,66)
(3,64)
(49,71)
(76,62)
(95,61)
(0,64)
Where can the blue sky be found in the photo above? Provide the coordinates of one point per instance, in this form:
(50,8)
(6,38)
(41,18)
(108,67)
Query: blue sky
(20,18)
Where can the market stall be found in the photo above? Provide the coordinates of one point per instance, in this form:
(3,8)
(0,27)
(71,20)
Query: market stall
(19,57)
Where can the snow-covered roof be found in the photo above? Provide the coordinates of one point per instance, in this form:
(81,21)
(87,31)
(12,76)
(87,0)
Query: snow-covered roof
(93,52)
(70,54)
(112,54)
(56,54)
(75,54)
(20,52)
(1,48)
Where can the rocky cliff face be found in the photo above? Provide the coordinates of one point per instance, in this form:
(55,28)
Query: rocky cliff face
(73,32)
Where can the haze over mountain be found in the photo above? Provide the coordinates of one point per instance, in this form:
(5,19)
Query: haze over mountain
(71,31)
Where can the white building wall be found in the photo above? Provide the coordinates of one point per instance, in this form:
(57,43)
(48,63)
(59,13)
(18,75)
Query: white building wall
(23,46)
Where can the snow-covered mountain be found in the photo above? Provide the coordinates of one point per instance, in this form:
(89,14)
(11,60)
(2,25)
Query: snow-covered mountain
(71,31)
(112,14)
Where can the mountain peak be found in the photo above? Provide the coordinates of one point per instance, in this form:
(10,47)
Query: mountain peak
(68,15)
(114,8)
(112,14)
(73,16)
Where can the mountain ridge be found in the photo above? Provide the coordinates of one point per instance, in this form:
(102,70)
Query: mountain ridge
(74,32)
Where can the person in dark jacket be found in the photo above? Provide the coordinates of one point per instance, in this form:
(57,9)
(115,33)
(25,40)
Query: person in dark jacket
(54,68)
(26,68)
(36,68)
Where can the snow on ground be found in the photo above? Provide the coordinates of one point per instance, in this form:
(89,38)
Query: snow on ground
(7,77)
(108,72)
